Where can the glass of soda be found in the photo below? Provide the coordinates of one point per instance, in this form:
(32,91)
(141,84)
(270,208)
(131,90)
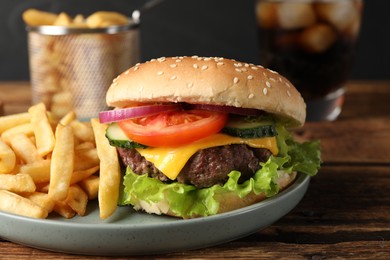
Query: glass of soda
(312,43)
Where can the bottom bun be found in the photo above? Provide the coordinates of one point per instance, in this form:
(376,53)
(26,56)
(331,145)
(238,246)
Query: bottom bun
(228,201)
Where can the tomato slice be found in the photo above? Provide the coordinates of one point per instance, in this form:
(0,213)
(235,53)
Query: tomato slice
(173,128)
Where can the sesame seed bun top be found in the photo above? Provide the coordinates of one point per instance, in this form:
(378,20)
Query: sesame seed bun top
(216,81)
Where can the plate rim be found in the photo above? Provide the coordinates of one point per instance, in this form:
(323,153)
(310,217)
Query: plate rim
(296,190)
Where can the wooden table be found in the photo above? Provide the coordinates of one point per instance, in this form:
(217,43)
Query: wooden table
(344,214)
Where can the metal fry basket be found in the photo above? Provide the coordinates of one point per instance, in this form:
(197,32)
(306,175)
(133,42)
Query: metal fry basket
(72,68)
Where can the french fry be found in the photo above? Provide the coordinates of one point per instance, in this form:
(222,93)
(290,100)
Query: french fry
(35,17)
(24,148)
(77,199)
(38,170)
(103,19)
(16,204)
(7,122)
(109,171)
(82,130)
(63,19)
(79,21)
(19,129)
(62,163)
(85,146)
(41,199)
(81,175)
(85,159)
(62,208)
(91,186)
(68,118)
(43,187)
(42,129)
(7,158)
(17,183)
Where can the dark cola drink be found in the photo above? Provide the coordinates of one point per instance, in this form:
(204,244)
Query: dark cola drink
(312,43)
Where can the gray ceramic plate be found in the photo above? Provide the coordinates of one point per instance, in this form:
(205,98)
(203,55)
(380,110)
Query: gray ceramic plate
(131,233)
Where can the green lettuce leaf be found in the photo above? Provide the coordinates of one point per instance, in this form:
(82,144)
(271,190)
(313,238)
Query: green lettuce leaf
(187,201)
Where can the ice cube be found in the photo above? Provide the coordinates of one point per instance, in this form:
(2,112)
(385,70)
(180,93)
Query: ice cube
(295,15)
(266,14)
(341,14)
(317,38)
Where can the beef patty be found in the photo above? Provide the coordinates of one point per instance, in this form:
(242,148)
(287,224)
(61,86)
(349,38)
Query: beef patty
(206,167)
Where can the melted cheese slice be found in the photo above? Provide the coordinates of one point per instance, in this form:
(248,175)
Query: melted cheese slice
(171,160)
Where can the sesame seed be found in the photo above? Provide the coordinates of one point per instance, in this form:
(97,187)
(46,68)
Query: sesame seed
(199,58)
(195,66)
(235,80)
(288,93)
(265,91)
(288,85)
(259,66)
(244,69)
(160,73)
(219,63)
(204,67)
(178,60)
(268,84)
(274,72)
(246,65)
(173,77)
(238,70)
(250,77)
(254,68)
(251,95)
(127,72)
(190,85)
(136,68)
(173,65)
(272,79)
(114,84)
(207,59)
(195,57)
(138,64)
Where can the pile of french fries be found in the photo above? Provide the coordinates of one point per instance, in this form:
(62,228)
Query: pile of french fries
(100,19)
(49,165)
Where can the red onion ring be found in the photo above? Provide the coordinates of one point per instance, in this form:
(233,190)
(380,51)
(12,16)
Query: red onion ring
(116,115)
(229,109)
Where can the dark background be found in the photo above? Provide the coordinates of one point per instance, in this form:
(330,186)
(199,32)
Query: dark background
(189,27)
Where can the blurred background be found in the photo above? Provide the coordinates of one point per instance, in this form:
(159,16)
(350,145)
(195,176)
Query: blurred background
(202,27)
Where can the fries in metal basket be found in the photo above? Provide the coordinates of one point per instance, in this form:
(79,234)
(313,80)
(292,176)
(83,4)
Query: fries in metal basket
(99,19)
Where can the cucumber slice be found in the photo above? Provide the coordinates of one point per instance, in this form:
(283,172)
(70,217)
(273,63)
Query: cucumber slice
(118,138)
(250,127)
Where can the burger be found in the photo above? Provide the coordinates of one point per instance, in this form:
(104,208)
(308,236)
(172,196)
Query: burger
(198,136)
